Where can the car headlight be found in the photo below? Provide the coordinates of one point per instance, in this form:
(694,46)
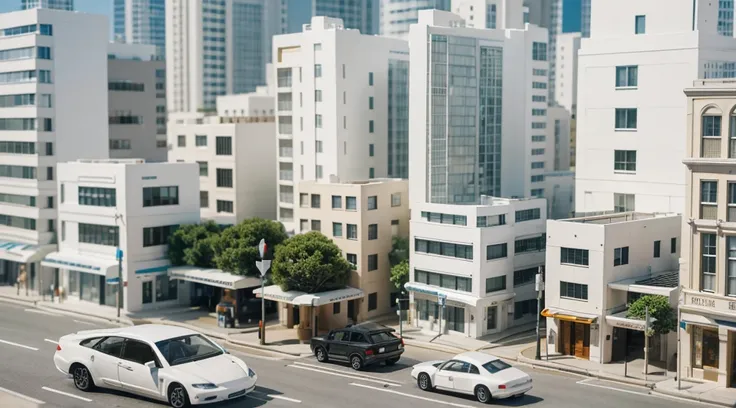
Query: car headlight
(251,373)
(206,386)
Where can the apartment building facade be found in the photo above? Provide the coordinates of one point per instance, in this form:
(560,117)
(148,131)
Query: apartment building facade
(361,217)
(67,5)
(235,150)
(52,109)
(129,206)
(707,273)
(341,111)
(397,16)
(628,148)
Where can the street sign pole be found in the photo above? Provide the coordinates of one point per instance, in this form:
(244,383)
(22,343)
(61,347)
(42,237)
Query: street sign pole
(441,299)
(539,283)
(646,343)
(119,255)
(263,267)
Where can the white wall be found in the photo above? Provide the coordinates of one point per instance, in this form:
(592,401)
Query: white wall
(566,71)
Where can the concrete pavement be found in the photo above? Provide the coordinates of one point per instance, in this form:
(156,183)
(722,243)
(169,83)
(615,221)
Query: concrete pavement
(27,345)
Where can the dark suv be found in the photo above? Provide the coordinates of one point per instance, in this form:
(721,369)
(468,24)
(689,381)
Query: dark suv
(360,345)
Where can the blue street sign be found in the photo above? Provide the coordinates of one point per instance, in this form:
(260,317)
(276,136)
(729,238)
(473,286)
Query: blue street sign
(119,254)
(683,325)
(442,299)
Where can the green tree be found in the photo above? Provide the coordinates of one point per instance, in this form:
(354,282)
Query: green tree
(659,308)
(310,263)
(400,274)
(399,250)
(192,244)
(236,248)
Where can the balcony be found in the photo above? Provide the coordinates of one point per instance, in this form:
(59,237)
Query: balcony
(284,77)
(285,127)
(286,175)
(286,198)
(286,152)
(284,102)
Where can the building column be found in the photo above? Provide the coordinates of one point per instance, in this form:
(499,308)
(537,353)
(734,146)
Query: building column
(724,365)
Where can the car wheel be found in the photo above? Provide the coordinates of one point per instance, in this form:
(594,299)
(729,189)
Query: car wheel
(321,354)
(82,378)
(392,361)
(178,397)
(424,382)
(482,394)
(356,362)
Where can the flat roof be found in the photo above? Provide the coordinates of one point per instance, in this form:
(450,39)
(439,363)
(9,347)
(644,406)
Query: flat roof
(617,218)
(666,280)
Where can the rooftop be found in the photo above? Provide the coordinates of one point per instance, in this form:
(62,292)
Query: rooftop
(617,218)
(666,280)
(333,180)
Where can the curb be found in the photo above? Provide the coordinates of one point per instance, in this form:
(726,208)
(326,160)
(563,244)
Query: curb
(20,302)
(239,343)
(584,372)
(697,398)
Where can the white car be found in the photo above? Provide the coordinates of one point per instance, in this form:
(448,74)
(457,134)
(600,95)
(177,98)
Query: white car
(473,373)
(166,363)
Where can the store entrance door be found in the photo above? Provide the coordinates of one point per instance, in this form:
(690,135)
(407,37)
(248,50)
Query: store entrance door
(575,339)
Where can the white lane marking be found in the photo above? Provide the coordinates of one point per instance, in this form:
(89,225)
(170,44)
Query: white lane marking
(586,382)
(280,397)
(66,394)
(452,404)
(10,343)
(353,374)
(87,323)
(42,312)
(352,377)
(21,396)
(51,341)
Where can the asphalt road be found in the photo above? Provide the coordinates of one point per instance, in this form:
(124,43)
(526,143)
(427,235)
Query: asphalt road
(28,377)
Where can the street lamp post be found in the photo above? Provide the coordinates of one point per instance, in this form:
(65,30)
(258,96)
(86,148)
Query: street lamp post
(539,286)
(263,266)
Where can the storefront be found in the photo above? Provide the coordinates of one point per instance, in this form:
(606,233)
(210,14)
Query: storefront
(86,277)
(13,255)
(570,332)
(708,330)
(627,341)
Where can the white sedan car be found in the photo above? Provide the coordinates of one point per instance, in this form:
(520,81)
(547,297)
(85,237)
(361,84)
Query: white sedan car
(166,363)
(473,373)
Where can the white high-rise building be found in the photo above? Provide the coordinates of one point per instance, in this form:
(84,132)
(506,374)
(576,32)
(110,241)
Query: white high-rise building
(632,71)
(397,16)
(491,14)
(141,22)
(51,4)
(53,108)
(566,71)
(217,47)
(342,106)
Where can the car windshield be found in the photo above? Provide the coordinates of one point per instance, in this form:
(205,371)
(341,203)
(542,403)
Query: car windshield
(382,337)
(495,366)
(185,349)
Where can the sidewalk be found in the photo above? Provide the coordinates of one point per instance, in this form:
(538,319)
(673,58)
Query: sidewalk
(703,392)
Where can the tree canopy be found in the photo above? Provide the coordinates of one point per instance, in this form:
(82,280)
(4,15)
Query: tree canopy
(399,250)
(400,274)
(310,263)
(236,248)
(659,308)
(192,244)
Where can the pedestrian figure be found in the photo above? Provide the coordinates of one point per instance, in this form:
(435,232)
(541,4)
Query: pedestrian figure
(22,279)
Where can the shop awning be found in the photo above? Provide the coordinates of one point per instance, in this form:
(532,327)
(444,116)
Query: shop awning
(213,277)
(620,320)
(569,315)
(293,297)
(451,295)
(23,253)
(83,263)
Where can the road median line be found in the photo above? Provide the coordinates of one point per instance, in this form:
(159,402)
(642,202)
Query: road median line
(10,343)
(452,404)
(352,377)
(22,396)
(352,374)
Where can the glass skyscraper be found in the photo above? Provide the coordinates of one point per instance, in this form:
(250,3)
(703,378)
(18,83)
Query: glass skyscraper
(52,4)
(357,14)
(398,119)
(141,22)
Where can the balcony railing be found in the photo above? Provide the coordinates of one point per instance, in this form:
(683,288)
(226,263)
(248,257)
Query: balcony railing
(708,211)
(285,106)
(711,147)
(285,129)
(286,175)
(286,152)
(287,198)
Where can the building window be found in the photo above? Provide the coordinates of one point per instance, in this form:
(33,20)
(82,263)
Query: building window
(396,200)
(370,126)
(336,202)
(372,231)
(223,146)
(181,141)
(528,215)
(441,218)
(316,200)
(711,137)
(535,244)
(337,229)
(317,146)
(370,78)
(98,197)
(336,308)
(224,206)
(459,251)
(624,160)
(731,274)
(303,225)
(166,288)
(539,51)
(458,283)
(537,152)
(673,245)
(317,70)
(490,220)
(304,200)
(537,192)
(204,199)
(157,196)
(537,178)
(351,203)
(371,173)
(657,248)
(371,150)
(318,95)
(708,262)
(621,256)
(574,256)
(627,76)
(372,301)
(225,178)
(352,231)
(318,171)
(640,24)
(525,276)
(497,251)
(372,262)
(203,169)
(708,200)
(200,141)
(623,202)
(99,234)
(706,345)
(318,121)
(525,308)
(154,236)
(731,216)
(496,284)
(352,258)
(317,225)
(537,165)
(573,290)
(372,203)
(625,118)
(370,102)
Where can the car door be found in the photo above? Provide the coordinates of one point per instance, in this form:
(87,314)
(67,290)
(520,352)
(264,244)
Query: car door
(104,358)
(133,374)
(338,346)
(445,376)
(466,379)
(358,343)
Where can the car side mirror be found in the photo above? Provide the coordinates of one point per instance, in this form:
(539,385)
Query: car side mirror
(151,365)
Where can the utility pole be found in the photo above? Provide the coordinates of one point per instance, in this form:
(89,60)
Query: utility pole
(263,267)
(539,286)
(646,342)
